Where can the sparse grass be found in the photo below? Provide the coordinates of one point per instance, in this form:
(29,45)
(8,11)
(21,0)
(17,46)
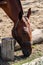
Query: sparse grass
(36,53)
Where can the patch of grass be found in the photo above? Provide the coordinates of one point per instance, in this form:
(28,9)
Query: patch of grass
(35,54)
(33,46)
(28,59)
(39,53)
(24,61)
(20,62)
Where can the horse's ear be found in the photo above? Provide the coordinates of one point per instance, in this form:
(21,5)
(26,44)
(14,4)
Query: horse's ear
(29,12)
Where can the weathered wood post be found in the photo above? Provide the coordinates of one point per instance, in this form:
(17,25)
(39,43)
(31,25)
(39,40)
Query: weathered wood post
(7,48)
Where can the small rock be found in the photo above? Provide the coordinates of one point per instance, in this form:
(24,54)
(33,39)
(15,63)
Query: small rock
(37,36)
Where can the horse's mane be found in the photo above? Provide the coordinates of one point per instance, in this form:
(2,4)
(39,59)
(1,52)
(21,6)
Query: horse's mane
(5,8)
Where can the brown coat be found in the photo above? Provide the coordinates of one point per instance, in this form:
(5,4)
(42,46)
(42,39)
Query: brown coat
(22,33)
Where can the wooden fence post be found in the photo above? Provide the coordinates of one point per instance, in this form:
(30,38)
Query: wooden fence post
(7,48)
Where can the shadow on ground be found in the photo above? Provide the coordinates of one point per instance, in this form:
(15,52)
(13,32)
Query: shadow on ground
(3,62)
(16,58)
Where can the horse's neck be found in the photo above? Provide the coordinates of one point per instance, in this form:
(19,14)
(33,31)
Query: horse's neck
(12,8)
(3,5)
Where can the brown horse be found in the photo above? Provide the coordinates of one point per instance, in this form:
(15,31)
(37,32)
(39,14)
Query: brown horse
(21,30)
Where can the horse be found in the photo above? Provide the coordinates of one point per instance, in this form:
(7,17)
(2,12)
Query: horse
(21,30)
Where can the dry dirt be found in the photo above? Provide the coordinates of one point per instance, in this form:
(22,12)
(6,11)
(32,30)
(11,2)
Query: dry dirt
(36,21)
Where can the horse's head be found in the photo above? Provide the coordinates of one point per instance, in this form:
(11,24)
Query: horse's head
(23,34)
(23,28)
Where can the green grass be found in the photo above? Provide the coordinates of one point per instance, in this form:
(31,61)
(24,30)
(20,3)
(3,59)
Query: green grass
(22,61)
(35,54)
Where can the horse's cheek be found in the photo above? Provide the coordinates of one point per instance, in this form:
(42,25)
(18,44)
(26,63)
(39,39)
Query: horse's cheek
(26,34)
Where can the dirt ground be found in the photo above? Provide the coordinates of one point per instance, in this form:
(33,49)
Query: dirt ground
(36,21)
